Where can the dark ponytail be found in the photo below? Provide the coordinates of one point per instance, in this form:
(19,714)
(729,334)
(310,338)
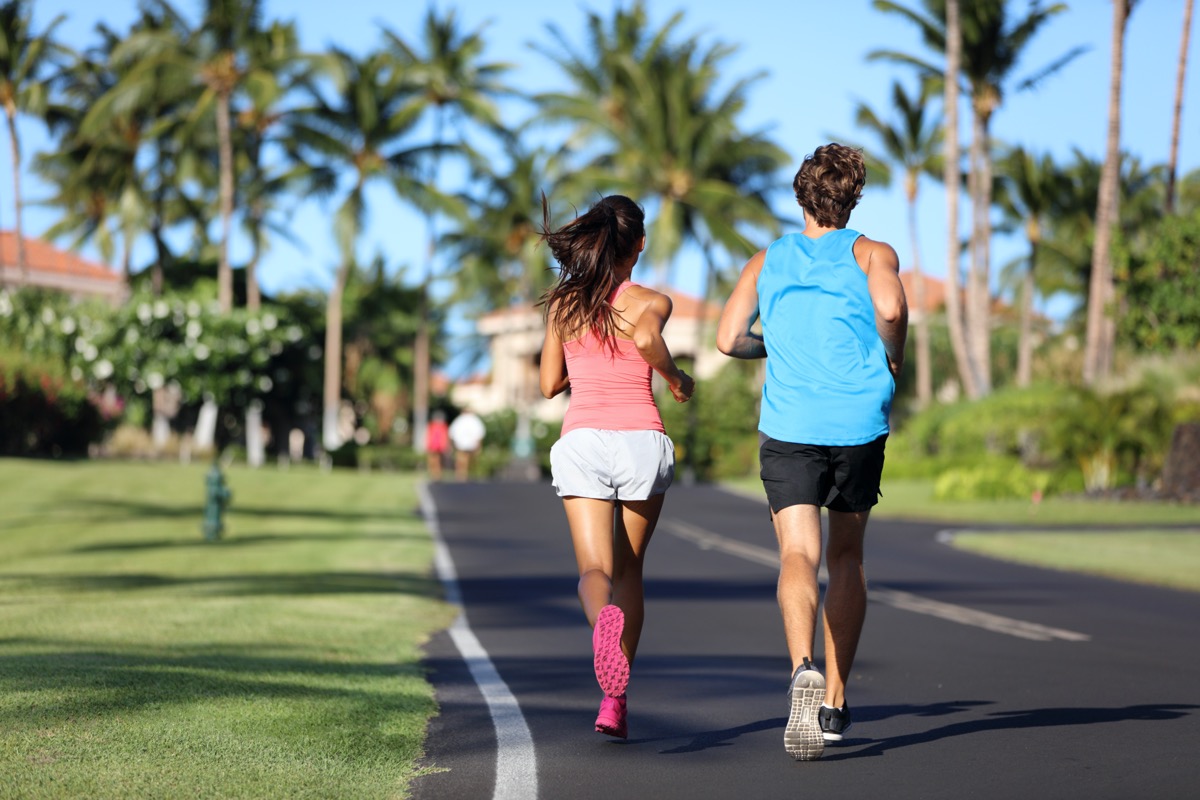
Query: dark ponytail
(589,249)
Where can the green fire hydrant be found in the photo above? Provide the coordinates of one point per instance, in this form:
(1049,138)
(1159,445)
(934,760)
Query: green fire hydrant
(216,496)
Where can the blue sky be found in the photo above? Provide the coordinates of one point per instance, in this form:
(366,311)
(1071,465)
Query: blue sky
(814,55)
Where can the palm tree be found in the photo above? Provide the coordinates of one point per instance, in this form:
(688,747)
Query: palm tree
(450,81)
(354,132)
(25,57)
(1173,160)
(146,109)
(1031,188)
(992,45)
(89,176)
(1065,253)
(495,246)
(914,143)
(602,94)
(272,60)
(951,178)
(221,54)
(1101,327)
(499,260)
(668,136)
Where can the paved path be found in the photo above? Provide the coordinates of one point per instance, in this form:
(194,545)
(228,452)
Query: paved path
(974,678)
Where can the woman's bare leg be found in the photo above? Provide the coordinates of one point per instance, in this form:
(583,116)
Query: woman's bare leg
(591,523)
(635,522)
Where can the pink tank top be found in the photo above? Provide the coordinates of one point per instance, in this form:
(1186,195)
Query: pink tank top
(609,390)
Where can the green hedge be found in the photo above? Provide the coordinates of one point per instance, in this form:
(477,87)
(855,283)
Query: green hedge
(1053,438)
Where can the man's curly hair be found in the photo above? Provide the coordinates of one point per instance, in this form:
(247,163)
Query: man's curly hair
(829,184)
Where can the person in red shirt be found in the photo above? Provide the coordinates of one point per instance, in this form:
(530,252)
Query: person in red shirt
(437,441)
(613,462)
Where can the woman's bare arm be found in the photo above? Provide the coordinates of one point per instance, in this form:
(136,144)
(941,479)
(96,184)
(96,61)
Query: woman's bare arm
(647,337)
(552,374)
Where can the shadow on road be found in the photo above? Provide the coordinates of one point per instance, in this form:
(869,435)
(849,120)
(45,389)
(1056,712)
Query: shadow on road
(1004,720)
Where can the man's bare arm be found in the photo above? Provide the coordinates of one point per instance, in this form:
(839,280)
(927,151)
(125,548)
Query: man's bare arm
(887,295)
(735,336)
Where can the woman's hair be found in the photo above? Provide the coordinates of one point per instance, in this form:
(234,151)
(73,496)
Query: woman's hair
(588,250)
(829,184)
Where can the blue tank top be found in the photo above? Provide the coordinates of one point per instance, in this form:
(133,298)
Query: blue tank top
(827,373)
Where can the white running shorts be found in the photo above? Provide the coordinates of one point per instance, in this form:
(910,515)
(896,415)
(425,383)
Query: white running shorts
(612,465)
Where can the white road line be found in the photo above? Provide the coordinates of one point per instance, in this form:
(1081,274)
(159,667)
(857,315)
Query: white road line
(516,762)
(707,540)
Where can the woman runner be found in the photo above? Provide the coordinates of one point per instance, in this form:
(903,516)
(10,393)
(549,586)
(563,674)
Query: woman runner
(613,461)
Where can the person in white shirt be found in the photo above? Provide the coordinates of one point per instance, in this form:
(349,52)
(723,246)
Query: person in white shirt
(466,434)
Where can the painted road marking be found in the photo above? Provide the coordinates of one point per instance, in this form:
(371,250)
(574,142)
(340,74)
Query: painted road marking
(516,762)
(905,601)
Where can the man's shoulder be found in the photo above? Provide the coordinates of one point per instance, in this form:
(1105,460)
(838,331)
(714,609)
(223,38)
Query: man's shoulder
(867,250)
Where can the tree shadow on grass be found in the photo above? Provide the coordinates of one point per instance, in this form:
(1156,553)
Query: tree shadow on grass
(81,681)
(123,509)
(237,585)
(241,540)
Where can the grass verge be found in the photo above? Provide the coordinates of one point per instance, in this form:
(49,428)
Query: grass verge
(137,660)
(1158,558)
(1141,554)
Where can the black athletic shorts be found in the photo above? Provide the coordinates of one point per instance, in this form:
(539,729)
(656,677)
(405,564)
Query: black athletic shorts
(838,478)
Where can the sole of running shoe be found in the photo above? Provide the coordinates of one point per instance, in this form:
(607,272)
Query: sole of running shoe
(803,738)
(612,667)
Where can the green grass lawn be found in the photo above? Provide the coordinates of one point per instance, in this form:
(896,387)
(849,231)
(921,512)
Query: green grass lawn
(137,660)
(1160,558)
(1142,554)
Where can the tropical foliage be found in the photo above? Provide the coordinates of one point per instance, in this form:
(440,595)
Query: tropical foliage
(186,132)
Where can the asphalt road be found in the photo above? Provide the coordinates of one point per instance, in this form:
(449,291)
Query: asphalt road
(974,679)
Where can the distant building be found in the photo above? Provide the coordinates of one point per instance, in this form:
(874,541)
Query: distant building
(51,268)
(515,336)
(935,294)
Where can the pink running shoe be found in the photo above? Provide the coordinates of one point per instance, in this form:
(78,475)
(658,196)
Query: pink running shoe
(611,719)
(612,668)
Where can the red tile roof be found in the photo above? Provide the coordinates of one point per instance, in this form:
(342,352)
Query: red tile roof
(44,257)
(935,291)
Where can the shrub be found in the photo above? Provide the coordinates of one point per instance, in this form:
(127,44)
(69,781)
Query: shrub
(43,412)
(718,424)
(996,480)
(1084,439)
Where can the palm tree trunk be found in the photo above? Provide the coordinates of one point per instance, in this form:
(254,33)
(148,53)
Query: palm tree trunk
(156,227)
(978,295)
(253,293)
(952,177)
(225,157)
(690,445)
(127,255)
(332,396)
(421,368)
(157,272)
(421,350)
(22,264)
(924,368)
(1100,340)
(1173,160)
(1025,336)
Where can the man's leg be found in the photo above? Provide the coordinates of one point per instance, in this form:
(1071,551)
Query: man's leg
(798,529)
(845,600)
